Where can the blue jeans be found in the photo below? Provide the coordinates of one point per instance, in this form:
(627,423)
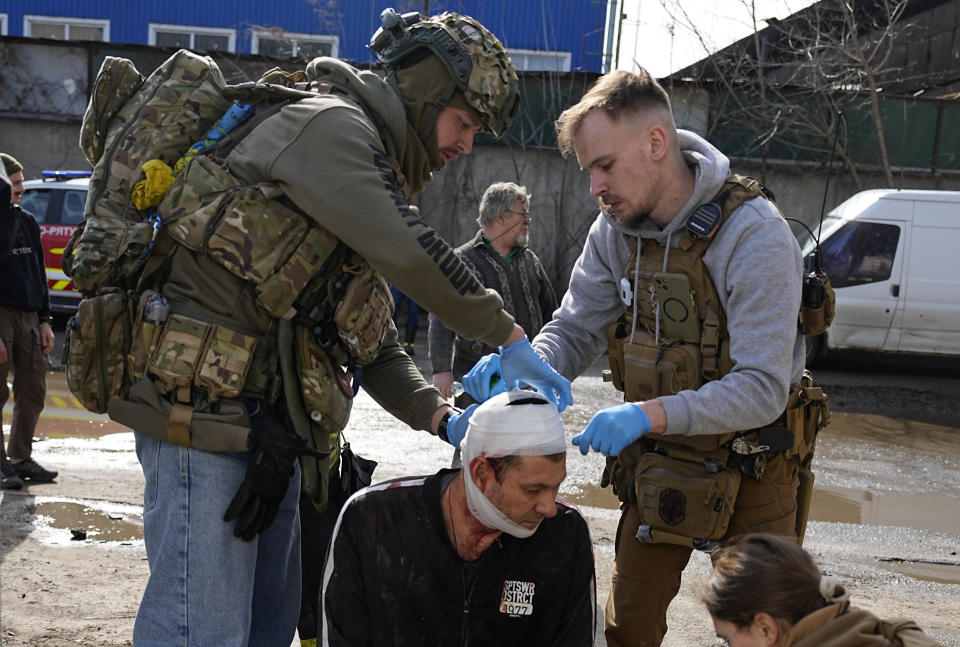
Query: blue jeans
(207,587)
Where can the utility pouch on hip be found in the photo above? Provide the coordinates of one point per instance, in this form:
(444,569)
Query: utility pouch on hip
(361,316)
(225,427)
(683,498)
(95,349)
(808,412)
(327,395)
(327,399)
(190,352)
(650,370)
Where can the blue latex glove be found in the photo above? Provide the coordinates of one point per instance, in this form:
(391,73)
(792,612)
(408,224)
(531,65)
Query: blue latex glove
(484,381)
(520,363)
(457,425)
(612,429)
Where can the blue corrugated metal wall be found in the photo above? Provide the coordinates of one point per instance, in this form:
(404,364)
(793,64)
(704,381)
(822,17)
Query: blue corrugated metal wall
(560,25)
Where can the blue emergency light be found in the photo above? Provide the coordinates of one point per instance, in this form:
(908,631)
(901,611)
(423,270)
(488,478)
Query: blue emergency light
(63,175)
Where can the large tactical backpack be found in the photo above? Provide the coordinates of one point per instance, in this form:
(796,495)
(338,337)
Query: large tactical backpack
(128,122)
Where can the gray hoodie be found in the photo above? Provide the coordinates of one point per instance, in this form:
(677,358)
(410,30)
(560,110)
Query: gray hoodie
(755,264)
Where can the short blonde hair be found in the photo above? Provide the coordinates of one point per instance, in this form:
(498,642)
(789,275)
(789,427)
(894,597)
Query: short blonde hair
(614,93)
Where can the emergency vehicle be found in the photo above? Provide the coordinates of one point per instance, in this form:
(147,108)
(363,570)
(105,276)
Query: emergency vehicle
(57,202)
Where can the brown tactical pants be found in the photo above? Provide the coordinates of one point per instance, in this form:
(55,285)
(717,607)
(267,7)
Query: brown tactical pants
(646,577)
(20,332)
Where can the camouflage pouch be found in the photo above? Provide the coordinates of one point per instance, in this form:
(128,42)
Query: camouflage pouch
(682,498)
(107,250)
(117,81)
(190,352)
(174,362)
(362,315)
(249,230)
(95,349)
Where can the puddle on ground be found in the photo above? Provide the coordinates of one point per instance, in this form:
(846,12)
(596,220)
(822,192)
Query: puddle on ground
(939,573)
(99,524)
(924,511)
(589,495)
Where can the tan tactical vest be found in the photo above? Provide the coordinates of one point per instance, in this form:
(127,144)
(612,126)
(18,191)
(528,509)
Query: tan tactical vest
(645,362)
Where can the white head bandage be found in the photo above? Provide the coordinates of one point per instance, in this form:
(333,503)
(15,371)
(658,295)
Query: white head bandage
(515,423)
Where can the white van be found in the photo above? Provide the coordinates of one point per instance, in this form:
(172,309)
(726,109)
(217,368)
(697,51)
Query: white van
(892,257)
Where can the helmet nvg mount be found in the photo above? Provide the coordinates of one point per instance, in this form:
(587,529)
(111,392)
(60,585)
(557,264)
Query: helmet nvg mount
(478,63)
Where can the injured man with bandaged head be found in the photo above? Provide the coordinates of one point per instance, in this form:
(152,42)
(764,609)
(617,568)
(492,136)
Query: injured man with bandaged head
(483,555)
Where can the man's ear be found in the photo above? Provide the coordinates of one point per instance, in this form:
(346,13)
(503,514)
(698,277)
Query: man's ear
(479,472)
(658,142)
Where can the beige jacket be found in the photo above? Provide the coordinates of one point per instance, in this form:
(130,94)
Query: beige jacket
(839,625)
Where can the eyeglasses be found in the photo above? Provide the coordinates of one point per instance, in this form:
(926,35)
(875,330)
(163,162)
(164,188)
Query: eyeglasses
(523,214)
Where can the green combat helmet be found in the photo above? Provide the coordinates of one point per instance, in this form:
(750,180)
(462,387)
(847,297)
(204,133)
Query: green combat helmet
(478,63)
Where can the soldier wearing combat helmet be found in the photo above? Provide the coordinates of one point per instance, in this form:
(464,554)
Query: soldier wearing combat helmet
(267,391)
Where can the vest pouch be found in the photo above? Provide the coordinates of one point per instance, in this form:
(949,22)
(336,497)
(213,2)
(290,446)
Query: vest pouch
(179,347)
(327,399)
(95,349)
(616,335)
(650,371)
(195,199)
(682,498)
(146,331)
(225,427)
(362,315)
(190,352)
(257,237)
(327,394)
(106,251)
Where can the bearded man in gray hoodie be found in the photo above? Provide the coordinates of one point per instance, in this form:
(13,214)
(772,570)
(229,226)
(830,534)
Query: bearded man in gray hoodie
(698,308)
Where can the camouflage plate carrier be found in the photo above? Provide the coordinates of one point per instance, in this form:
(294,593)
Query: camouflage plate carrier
(176,371)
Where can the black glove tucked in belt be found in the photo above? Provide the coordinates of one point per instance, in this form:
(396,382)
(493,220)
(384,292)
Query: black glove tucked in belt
(256,502)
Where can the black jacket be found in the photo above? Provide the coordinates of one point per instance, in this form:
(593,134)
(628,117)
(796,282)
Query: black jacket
(23,279)
(393,577)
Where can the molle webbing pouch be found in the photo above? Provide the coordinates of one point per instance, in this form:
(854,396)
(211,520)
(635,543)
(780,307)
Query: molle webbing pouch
(808,412)
(364,311)
(327,395)
(685,498)
(815,321)
(249,229)
(193,353)
(650,371)
(95,349)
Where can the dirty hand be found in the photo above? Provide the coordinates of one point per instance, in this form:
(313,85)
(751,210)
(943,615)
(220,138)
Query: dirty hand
(612,429)
(443,382)
(520,363)
(256,502)
(46,338)
(484,381)
(457,425)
